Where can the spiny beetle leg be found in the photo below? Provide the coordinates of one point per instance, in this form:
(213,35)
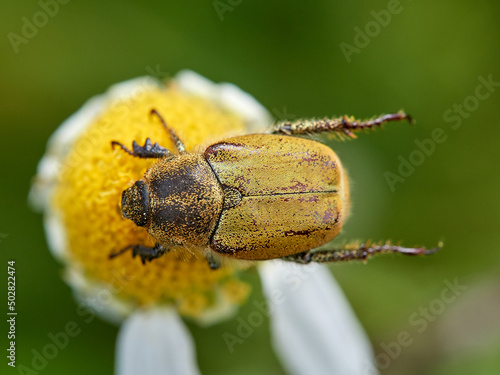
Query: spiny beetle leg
(346,125)
(148,151)
(146,253)
(173,136)
(361,253)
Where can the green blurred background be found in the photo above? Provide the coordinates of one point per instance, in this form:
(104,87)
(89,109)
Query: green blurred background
(288,54)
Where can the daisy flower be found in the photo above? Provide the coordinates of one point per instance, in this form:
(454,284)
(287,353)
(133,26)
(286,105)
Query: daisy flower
(78,188)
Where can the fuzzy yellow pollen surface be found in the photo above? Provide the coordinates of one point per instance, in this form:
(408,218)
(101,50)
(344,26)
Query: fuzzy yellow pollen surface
(87,198)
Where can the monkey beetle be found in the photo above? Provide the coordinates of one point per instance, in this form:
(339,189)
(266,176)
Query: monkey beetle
(252,197)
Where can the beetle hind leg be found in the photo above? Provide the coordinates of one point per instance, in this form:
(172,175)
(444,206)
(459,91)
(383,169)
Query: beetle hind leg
(146,253)
(344,125)
(352,252)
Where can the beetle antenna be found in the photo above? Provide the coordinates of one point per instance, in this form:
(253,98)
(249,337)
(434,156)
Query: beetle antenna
(175,139)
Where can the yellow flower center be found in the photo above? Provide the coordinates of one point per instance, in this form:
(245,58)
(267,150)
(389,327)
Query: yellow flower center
(88,195)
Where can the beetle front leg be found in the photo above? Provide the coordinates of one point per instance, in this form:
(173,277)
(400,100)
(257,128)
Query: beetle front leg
(350,253)
(148,151)
(345,125)
(179,145)
(146,253)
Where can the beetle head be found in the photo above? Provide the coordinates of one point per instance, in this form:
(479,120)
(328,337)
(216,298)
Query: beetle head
(135,203)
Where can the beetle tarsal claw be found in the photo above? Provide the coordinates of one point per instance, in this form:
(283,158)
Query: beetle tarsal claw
(432,251)
(148,151)
(120,252)
(213,262)
(415,250)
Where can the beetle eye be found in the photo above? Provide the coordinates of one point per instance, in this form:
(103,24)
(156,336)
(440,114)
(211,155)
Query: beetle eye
(135,203)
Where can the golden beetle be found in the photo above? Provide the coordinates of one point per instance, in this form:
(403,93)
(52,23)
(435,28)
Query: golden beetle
(252,197)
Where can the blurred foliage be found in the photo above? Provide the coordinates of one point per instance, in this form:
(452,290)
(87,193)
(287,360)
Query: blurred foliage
(287,54)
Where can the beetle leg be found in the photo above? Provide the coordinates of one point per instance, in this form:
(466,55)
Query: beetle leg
(213,262)
(173,136)
(146,253)
(148,151)
(360,253)
(345,125)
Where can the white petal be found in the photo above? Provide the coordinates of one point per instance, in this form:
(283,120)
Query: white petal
(39,194)
(222,309)
(155,342)
(97,297)
(313,327)
(58,147)
(235,99)
(131,88)
(56,234)
(229,97)
(196,84)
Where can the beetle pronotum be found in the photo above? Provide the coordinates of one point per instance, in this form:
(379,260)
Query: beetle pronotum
(253,197)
